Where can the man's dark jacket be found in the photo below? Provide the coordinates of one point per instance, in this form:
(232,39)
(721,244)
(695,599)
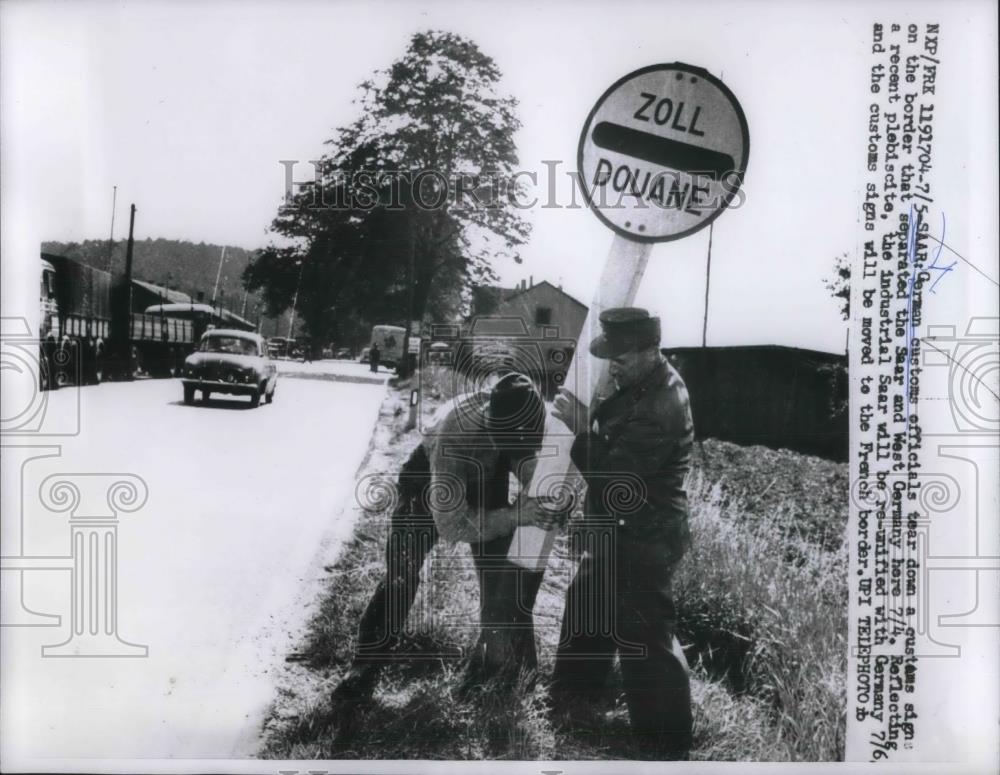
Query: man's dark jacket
(636,456)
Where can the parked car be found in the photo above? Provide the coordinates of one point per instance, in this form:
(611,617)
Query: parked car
(440,354)
(278,347)
(233,362)
(343,352)
(363,358)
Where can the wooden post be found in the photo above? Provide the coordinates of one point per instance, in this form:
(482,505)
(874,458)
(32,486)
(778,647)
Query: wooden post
(586,378)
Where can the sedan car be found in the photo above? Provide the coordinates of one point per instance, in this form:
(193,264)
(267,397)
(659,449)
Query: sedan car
(230,361)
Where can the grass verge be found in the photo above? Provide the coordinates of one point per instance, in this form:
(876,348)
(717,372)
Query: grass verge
(762,607)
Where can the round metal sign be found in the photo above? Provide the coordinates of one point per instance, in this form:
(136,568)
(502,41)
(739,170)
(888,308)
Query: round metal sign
(663,152)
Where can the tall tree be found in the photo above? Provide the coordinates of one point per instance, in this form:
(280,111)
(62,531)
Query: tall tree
(839,284)
(414,202)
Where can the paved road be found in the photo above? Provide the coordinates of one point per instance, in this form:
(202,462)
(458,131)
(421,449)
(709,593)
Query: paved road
(347,371)
(215,571)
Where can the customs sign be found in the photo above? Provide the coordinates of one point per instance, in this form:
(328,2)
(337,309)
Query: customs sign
(663,152)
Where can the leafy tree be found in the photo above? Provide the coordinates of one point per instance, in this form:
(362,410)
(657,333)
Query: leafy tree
(177,264)
(412,205)
(839,285)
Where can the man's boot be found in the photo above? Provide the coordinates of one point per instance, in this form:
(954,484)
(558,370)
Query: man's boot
(357,686)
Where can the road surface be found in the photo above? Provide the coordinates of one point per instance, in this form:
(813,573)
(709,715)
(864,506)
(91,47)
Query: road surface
(215,572)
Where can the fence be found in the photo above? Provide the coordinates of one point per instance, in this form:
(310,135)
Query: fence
(779,397)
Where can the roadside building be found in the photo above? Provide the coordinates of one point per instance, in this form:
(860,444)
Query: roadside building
(532,328)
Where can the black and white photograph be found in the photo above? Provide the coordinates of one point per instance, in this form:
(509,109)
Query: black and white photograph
(392,387)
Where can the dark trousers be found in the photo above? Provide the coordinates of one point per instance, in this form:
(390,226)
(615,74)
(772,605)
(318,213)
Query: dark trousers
(506,591)
(619,603)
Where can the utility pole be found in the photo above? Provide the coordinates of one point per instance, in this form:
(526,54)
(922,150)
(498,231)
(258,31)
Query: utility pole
(111,238)
(411,420)
(215,290)
(295,299)
(405,360)
(129,374)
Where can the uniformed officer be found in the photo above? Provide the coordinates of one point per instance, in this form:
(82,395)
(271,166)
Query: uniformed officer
(455,486)
(634,457)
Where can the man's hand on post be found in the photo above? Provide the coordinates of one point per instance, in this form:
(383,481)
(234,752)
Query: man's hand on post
(543,513)
(570,410)
(550,515)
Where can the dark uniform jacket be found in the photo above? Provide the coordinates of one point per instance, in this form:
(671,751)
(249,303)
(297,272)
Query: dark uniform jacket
(469,476)
(636,456)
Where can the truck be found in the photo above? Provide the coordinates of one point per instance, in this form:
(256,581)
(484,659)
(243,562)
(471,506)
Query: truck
(280,347)
(390,340)
(88,332)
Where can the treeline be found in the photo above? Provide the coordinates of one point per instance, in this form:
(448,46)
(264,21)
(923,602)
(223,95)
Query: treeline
(182,266)
(177,264)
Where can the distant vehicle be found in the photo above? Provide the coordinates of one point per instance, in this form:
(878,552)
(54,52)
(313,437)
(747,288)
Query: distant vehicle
(363,358)
(390,344)
(89,333)
(280,347)
(327,352)
(343,352)
(202,316)
(439,353)
(230,361)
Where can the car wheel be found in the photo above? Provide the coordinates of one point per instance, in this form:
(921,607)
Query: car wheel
(98,373)
(44,370)
(173,364)
(137,363)
(269,397)
(188,394)
(255,399)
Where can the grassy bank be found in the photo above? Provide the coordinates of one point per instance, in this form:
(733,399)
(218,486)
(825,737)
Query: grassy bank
(761,599)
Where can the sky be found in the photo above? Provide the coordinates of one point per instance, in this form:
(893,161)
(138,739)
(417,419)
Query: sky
(188,108)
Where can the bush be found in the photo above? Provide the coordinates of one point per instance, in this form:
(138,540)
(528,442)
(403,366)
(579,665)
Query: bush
(769,627)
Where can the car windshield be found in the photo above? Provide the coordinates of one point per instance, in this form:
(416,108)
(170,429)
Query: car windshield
(234,345)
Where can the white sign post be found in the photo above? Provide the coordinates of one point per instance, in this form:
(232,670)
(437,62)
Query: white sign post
(661,155)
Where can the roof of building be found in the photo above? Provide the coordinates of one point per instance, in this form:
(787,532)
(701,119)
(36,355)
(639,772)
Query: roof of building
(496,293)
(179,308)
(515,292)
(175,297)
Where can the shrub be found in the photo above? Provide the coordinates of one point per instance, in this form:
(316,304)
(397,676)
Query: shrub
(771,628)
